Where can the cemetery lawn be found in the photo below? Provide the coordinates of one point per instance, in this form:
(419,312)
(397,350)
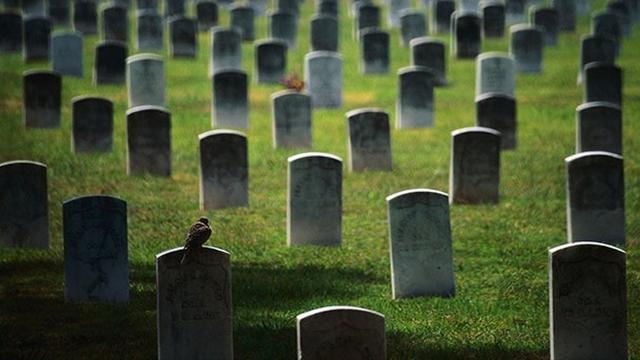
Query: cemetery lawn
(500,310)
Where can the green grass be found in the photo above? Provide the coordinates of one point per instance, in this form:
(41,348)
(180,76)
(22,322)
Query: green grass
(500,252)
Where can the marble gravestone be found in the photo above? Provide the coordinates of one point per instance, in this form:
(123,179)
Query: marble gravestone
(546,19)
(498,111)
(495,73)
(441,13)
(324,34)
(174,8)
(149,31)
(596,49)
(292,116)
(194,302)
(431,54)
(368,17)
(96,265)
(606,24)
(230,106)
(66,53)
(420,245)
(314,200)
(323,78)
(284,26)
(115,23)
(588,302)
(36,33)
(493,19)
(224,169)
(514,10)
(466,35)
(183,37)
(85,17)
(226,49)
(10,32)
(24,219)
(474,174)
(341,332)
(59,12)
(526,47)
(413,24)
(271,61)
(42,91)
(374,48)
(368,140)
(395,8)
(566,14)
(91,124)
(415,104)
(110,63)
(145,80)
(599,127)
(602,82)
(148,141)
(206,14)
(242,17)
(595,198)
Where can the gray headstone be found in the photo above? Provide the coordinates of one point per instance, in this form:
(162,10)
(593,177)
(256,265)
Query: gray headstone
(174,8)
(466,35)
(145,80)
(259,7)
(394,10)
(596,49)
(24,220)
(206,14)
(148,141)
(420,244)
(323,77)
(599,127)
(526,47)
(36,34)
(493,19)
(291,115)
(566,14)
(324,34)
(91,124)
(96,261)
(415,103)
(595,198)
(271,61)
(115,23)
(194,302)
(10,32)
(85,17)
(226,49)
(284,26)
(328,7)
(606,24)
(242,17)
(374,48)
(230,107)
(34,8)
(66,53)
(290,6)
(149,30)
(369,140)
(441,13)
(314,198)
(546,19)
(110,66)
(183,37)
(587,302)
(498,111)
(413,24)
(41,99)
(495,73)
(431,54)
(341,332)
(368,16)
(602,82)
(59,12)
(515,10)
(474,175)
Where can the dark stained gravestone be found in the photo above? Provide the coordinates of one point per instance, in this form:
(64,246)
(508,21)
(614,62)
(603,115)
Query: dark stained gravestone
(526,47)
(514,10)
(230,107)
(621,9)
(147,5)
(413,24)
(115,23)
(10,32)
(546,19)
(291,116)
(259,7)
(59,12)
(183,37)
(24,219)
(271,61)
(369,140)
(226,49)
(91,124)
(109,64)
(431,54)
(415,104)
(206,14)
(149,30)
(284,26)
(441,16)
(324,34)
(374,50)
(566,14)
(493,19)
(602,82)
(36,34)
(85,17)
(290,6)
(599,127)
(394,8)
(596,49)
(41,99)
(242,17)
(34,8)
(96,261)
(328,7)
(606,24)
(66,53)
(368,16)
(498,111)
(148,141)
(174,8)
(466,35)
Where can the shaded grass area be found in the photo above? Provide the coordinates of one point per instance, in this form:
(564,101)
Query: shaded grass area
(500,252)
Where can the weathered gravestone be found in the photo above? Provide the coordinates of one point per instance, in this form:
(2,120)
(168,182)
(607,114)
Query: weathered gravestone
(41,99)
(110,63)
(96,261)
(291,116)
(10,32)
(469,5)
(474,174)
(24,220)
(369,140)
(431,54)
(596,49)
(466,35)
(327,7)
(230,107)
(323,77)
(115,23)
(66,53)
(420,245)
(148,141)
(149,29)
(599,127)
(85,17)
(290,6)
(59,11)
(602,82)
(271,61)
(242,17)
(284,26)
(324,34)
(374,47)
(174,8)
(587,302)
(314,198)
(595,198)
(546,19)
(514,10)
(145,80)
(526,47)
(441,13)
(493,19)
(259,7)
(34,8)
(498,111)
(495,73)
(206,14)
(368,17)
(226,49)
(183,37)
(36,33)
(355,6)
(91,124)
(413,24)
(566,14)
(224,169)
(606,24)
(415,104)
(395,7)
(341,332)
(194,305)
(622,11)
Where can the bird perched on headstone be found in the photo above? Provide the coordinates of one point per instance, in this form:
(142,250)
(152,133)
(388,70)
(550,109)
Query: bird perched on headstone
(198,234)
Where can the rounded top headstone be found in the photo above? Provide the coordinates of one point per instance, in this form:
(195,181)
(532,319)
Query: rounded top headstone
(475,129)
(287,92)
(493,54)
(327,309)
(322,53)
(414,68)
(585,154)
(364,111)
(144,56)
(293,158)
(146,108)
(408,192)
(425,40)
(209,133)
(489,95)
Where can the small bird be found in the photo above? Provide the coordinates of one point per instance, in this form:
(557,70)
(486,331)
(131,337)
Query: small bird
(198,234)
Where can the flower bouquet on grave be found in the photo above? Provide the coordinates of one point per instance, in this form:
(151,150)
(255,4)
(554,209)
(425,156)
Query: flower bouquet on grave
(293,82)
